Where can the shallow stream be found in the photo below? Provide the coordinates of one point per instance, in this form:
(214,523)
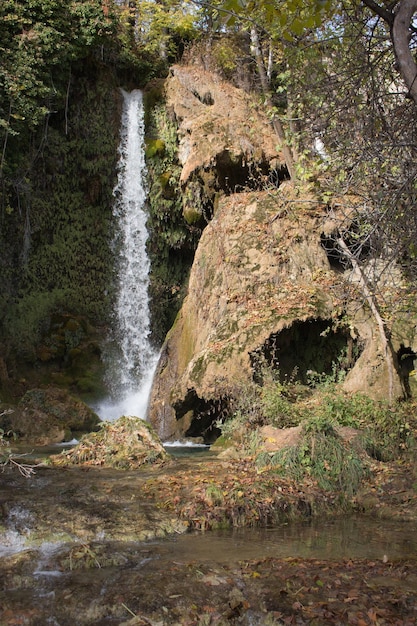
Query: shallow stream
(69,543)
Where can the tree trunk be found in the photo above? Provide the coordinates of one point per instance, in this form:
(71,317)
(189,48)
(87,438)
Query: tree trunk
(400,34)
(386,345)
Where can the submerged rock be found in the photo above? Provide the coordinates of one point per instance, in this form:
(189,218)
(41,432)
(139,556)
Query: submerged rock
(127,443)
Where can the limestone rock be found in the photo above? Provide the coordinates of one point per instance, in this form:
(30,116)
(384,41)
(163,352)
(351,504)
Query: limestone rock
(217,122)
(226,141)
(273,439)
(258,272)
(277,438)
(261,287)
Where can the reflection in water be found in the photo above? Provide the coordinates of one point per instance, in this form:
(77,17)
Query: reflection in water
(339,538)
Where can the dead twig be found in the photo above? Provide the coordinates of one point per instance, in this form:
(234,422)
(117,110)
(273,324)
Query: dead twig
(27,470)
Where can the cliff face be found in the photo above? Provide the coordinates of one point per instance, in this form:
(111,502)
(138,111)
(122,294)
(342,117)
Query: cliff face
(263,288)
(226,144)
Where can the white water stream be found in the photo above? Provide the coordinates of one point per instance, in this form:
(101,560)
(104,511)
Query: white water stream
(131,359)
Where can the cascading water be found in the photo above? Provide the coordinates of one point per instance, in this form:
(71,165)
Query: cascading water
(131,359)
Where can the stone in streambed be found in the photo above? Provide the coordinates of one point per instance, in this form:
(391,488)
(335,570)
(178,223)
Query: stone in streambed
(48,416)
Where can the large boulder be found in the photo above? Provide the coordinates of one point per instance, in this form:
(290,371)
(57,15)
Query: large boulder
(262,290)
(47,416)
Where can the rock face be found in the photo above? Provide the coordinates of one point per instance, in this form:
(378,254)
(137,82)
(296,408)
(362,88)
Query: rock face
(225,141)
(264,287)
(261,288)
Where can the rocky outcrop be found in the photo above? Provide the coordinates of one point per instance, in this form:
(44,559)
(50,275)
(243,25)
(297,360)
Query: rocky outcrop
(266,285)
(261,288)
(47,416)
(226,142)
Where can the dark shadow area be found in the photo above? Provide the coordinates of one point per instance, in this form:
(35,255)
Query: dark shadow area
(236,174)
(315,346)
(201,415)
(306,352)
(231,174)
(357,241)
(406,357)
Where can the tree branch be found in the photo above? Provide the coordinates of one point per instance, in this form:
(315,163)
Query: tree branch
(400,35)
(386,15)
(388,351)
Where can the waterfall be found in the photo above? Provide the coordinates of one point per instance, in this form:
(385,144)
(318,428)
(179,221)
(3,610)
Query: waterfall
(130,358)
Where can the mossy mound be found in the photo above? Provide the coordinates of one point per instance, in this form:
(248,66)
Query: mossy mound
(127,443)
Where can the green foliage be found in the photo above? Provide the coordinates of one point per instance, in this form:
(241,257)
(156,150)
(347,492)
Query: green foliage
(171,241)
(386,432)
(322,456)
(292,17)
(65,258)
(38,42)
(26,320)
(277,406)
(355,410)
(154,147)
(239,430)
(392,435)
(255,406)
(162,26)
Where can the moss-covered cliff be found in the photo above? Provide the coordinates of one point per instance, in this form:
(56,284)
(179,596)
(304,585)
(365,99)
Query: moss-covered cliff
(56,232)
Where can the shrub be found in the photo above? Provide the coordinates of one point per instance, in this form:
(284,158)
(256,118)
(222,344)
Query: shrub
(322,455)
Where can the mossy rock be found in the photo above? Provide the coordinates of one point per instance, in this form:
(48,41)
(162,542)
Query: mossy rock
(154,147)
(46,416)
(127,443)
(192,215)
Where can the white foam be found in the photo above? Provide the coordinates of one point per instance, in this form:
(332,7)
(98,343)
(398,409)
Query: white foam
(184,444)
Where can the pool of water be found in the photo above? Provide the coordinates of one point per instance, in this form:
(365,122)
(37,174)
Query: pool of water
(61,558)
(338,538)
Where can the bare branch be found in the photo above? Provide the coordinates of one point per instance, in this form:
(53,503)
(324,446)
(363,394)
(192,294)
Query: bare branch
(386,15)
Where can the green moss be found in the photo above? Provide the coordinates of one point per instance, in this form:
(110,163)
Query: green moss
(199,369)
(172,241)
(154,147)
(186,349)
(58,289)
(192,215)
(66,265)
